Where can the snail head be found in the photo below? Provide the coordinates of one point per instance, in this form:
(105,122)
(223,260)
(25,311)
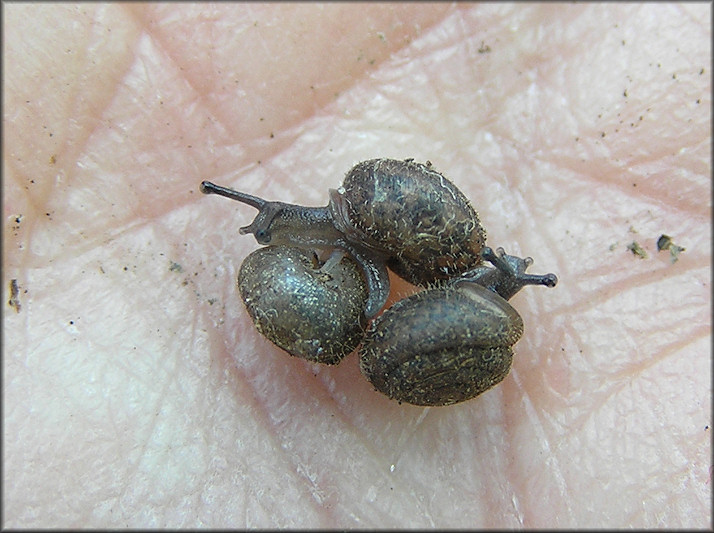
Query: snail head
(509,275)
(281,223)
(262,225)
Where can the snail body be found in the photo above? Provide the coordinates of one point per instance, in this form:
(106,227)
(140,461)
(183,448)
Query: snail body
(450,343)
(388,212)
(310,309)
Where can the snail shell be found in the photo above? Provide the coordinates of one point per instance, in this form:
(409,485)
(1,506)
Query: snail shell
(449,344)
(411,355)
(310,309)
(400,214)
(411,214)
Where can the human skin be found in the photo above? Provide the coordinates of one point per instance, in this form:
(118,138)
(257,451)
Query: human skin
(137,393)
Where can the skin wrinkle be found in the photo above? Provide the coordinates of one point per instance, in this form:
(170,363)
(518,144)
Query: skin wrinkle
(642,189)
(541,437)
(596,297)
(512,467)
(354,81)
(621,381)
(216,112)
(75,148)
(337,401)
(262,413)
(365,440)
(279,437)
(159,43)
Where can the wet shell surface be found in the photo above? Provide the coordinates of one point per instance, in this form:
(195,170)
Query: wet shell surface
(315,315)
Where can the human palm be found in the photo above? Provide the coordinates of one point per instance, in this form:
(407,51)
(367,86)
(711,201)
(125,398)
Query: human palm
(136,390)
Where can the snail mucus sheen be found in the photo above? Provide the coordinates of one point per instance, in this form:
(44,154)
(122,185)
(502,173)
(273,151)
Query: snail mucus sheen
(323,276)
(306,311)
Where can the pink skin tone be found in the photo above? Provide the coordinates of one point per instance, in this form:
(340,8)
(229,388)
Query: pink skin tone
(137,392)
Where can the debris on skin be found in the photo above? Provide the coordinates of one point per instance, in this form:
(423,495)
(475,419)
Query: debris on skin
(14,300)
(665,243)
(175,267)
(637,250)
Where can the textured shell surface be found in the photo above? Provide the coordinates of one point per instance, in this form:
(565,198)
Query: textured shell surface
(309,313)
(441,346)
(415,216)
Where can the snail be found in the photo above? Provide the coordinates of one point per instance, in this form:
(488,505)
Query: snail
(310,309)
(450,343)
(400,214)
(444,345)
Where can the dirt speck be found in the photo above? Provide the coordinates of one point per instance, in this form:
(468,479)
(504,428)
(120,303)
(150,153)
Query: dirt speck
(637,250)
(14,300)
(664,242)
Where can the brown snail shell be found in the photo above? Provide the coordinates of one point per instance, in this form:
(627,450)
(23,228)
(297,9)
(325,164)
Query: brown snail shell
(411,214)
(449,344)
(411,356)
(309,311)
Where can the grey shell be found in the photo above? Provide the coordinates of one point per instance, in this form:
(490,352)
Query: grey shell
(308,313)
